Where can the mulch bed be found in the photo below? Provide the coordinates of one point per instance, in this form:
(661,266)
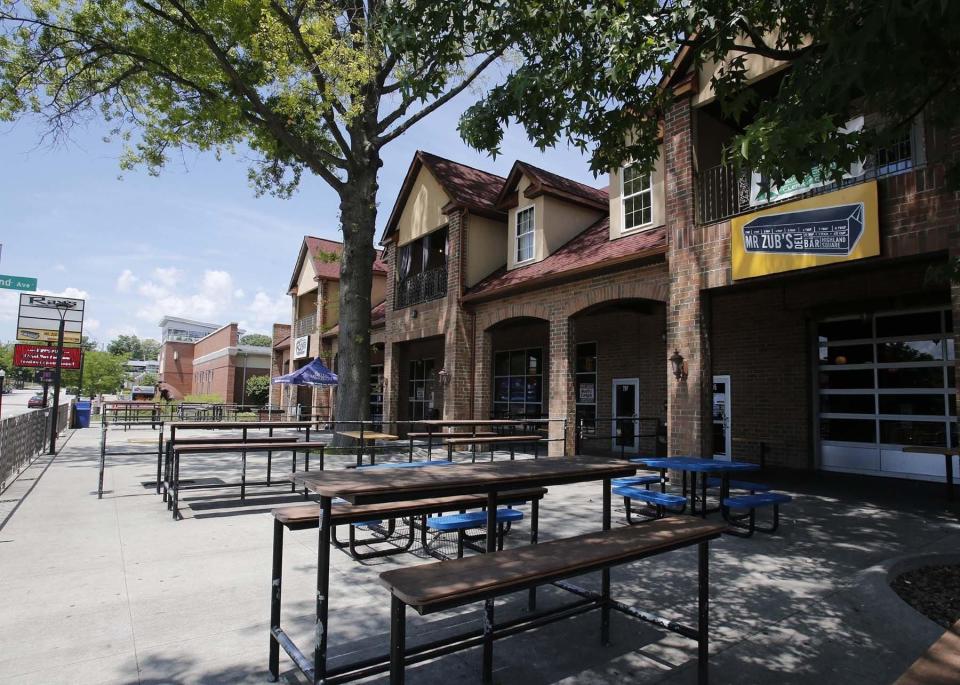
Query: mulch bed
(934,591)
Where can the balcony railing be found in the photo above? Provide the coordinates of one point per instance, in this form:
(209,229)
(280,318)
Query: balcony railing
(305,325)
(724,192)
(422,287)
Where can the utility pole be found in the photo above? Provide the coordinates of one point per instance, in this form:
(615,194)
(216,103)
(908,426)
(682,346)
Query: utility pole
(55,411)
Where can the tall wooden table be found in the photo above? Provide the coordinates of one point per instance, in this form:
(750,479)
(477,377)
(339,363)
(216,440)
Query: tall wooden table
(363,436)
(374,486)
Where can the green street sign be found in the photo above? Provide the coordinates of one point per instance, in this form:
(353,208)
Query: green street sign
(18,283)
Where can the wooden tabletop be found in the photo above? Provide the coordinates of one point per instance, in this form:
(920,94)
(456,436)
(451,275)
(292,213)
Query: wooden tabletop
(368,435)
(240,424)
(917,449)
(370,486)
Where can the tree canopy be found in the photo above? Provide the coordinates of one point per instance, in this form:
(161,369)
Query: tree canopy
(307,87)
(258,390)
(594,77)
(140,349)
(256,339)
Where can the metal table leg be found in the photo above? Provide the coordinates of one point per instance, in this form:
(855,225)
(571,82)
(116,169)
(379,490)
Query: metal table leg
(703,612)
(605,573)
(323,592)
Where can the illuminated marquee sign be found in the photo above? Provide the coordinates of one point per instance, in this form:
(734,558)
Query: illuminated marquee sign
(824,229)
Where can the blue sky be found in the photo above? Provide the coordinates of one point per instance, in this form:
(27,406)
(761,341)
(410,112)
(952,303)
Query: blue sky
(194,241)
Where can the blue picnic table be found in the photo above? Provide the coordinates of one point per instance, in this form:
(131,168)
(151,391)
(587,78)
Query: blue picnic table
(703,467)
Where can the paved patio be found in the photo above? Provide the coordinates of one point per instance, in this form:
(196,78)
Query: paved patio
(113,591)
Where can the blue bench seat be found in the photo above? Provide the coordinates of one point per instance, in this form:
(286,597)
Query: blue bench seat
(661,501)
(359,524)
(739,485)
(751,503)
(760,499)
(635,480)
(473,519)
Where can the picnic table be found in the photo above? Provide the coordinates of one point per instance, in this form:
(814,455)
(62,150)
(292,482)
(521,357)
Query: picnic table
(472,424)
(165,456)
(373,486)
(948,454)
(365,438)
(695,466)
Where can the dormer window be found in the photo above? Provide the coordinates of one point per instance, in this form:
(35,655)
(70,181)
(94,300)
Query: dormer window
(525,226)
(637,199)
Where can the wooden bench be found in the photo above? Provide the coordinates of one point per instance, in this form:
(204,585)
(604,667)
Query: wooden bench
(510,440)
(429,588)
(173,482)
(939,665)
(167,457)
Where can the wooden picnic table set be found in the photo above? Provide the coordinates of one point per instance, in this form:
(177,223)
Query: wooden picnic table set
(169,482)
(354,496)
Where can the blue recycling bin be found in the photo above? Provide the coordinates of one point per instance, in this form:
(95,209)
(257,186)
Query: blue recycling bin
(82,412)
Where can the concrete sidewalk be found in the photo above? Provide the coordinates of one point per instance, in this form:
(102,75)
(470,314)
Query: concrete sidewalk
(114,591)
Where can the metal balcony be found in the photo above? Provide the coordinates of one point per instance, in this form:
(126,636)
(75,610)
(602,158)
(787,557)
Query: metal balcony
(422,287)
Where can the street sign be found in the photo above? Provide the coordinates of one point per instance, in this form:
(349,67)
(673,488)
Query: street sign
(42,356)
(39,319)
(18,283)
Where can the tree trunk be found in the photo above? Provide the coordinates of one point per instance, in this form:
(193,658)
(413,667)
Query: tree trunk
(358,217)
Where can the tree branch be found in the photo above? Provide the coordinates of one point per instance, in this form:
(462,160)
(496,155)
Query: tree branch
(433,106)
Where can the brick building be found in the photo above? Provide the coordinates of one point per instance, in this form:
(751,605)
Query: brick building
(222,366)
(800,323)
(210,362)
(315,305)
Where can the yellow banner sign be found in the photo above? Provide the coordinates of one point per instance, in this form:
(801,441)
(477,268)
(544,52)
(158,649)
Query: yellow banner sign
(835,227)
(42,335)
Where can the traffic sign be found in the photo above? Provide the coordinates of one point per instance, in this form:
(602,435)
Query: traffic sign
(18,283)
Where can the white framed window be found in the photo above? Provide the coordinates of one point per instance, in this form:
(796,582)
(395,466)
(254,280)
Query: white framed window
(637,194)
(525,225)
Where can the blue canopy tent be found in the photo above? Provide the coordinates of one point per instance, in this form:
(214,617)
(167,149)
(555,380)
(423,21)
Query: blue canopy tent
(314,373)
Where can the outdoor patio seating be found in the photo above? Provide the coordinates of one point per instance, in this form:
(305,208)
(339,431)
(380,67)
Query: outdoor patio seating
(751,503)
(738,485)
(662,502)
(509,441)
(445,585)
(461,523)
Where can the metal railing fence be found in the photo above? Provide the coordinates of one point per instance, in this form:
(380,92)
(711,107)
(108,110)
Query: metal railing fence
(422,287)
(23,438)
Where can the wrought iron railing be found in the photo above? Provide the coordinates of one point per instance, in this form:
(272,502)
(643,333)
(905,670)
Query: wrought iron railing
(422,287)
(722,192)
(305,325)
(23,437)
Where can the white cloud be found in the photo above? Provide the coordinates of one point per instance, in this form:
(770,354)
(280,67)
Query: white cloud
(264,311)
(75,293)
(91,325)
(168,292)
(125,281)
(9,304)
(114,331)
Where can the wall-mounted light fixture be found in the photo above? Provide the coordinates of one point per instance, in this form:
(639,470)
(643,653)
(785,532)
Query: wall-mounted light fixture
(444,376)
(679,365)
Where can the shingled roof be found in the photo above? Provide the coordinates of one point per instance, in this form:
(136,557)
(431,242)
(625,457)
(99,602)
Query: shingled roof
(543,182)
(467,187)
(587,251)
(325,255)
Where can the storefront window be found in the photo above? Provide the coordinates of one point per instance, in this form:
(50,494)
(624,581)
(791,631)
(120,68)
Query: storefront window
(875,370)
(420,390)
(518,383)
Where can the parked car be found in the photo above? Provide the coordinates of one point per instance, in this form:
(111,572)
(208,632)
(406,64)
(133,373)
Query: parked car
(35,402)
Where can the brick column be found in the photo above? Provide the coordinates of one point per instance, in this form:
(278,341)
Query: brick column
(482,375)
(391,384)
(458,339)
(561,402)
(687,321)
